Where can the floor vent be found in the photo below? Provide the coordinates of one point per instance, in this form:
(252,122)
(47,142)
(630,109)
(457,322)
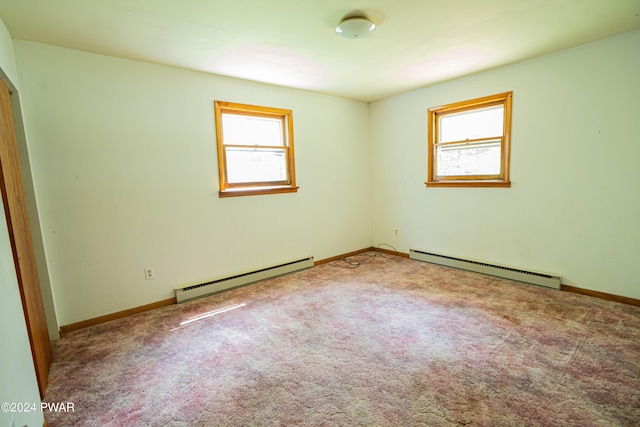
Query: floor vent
(197,290)
(534,277)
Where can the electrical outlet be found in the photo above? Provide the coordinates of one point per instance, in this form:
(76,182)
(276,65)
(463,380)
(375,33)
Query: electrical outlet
(396,232)
(149,273)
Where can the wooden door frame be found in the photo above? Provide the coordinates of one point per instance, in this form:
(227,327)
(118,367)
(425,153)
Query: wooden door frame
(13,200)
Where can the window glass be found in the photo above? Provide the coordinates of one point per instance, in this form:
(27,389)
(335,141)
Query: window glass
(475,124)
(470,160)
(250,165)
(250,130)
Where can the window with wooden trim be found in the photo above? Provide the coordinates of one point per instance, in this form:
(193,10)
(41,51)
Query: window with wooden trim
(469,143)
(255,149)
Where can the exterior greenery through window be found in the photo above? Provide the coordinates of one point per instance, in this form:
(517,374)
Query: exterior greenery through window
(469,143)
(255,149)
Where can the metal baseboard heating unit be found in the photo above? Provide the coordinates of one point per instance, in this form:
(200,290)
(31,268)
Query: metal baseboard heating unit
(534,277)
(208,287)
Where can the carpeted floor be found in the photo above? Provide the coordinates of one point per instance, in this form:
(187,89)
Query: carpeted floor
(394,342)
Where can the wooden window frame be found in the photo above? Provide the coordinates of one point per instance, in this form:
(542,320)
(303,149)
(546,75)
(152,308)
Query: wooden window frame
(434,115)
(255,188)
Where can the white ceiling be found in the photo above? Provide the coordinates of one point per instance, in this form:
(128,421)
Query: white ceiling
(293,42)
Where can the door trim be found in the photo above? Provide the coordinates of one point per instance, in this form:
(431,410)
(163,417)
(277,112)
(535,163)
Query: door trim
(13,199)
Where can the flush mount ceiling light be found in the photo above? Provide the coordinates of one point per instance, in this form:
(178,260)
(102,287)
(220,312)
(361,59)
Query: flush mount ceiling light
(356,28)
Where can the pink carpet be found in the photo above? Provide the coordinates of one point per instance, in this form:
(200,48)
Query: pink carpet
(392,343)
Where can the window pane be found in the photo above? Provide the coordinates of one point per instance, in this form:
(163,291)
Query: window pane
(255,165)
(250,130)
(475,124)
(469,159)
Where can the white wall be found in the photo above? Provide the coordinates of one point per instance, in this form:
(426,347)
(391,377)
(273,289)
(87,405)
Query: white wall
(125,169)
(574,204)
(17,376)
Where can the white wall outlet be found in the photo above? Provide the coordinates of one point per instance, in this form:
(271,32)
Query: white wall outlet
(396,232)
(149,273)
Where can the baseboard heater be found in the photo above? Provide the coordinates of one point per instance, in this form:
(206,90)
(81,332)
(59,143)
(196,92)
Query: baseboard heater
(208,287)
(534,277)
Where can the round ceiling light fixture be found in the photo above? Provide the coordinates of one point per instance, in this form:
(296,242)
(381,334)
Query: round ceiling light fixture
(356,28)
